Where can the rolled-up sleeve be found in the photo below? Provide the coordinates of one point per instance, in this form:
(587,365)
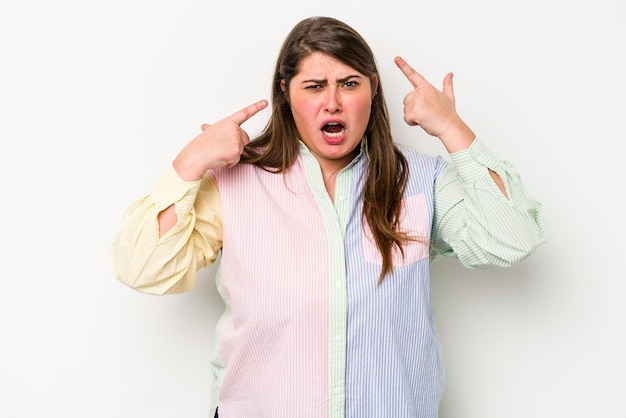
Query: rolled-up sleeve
(168,264)
(475,221)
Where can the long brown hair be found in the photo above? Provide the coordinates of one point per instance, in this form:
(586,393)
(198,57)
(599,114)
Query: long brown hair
(276,148)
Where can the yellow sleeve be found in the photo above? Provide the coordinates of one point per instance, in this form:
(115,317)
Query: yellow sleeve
(168,264)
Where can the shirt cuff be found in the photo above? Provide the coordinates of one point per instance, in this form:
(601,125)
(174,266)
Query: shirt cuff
(472,163)
(171,188)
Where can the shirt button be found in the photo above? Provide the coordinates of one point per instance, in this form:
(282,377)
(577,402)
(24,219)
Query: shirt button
(337,284)
(338,337)
(337,390)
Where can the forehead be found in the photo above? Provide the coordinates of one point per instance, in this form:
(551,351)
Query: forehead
(321,66)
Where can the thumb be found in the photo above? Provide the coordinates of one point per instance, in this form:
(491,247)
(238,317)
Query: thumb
(205,126)
(448,88)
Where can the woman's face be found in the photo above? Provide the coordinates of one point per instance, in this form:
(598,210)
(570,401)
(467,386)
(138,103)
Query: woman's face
(331,104)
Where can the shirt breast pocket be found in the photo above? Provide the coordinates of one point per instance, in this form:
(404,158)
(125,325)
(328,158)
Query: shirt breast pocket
(415,222)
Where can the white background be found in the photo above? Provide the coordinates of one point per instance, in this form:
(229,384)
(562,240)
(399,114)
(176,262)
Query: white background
(96,98)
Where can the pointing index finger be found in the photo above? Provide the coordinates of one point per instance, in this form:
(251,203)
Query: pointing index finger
(413,76)
(247,112)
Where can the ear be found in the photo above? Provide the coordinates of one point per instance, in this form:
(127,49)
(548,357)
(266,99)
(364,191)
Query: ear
(283,87)
(374,84)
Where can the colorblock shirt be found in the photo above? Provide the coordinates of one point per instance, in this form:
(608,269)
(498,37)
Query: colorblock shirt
(307,330)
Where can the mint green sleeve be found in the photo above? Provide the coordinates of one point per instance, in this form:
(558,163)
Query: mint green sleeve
(475,222)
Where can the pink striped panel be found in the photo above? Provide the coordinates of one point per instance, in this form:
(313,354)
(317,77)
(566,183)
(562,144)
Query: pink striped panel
(275,346)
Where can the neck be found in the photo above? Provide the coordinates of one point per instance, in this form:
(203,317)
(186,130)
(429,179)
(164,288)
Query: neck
(329,174)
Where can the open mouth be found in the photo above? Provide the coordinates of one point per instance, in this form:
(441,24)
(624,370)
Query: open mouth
(333,129)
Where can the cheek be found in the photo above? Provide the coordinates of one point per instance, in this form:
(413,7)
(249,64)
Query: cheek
(362,110)
(304,111)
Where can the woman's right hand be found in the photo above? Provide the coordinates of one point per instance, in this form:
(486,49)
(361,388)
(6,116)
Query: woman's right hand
(219,145)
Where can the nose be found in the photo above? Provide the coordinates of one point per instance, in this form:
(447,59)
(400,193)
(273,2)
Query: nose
(333,101)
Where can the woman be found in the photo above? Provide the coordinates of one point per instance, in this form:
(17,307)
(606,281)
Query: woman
(326,228)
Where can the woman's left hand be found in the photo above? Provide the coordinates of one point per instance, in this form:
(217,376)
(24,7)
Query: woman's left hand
(434,110)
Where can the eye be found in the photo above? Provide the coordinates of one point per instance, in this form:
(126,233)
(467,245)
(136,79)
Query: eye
(350,85)
(313,87)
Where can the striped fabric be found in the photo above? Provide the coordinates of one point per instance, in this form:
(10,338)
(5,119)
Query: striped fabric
(272,358)
(394,362)
(307,332)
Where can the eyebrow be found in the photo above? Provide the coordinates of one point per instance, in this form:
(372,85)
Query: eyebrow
(341,80)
